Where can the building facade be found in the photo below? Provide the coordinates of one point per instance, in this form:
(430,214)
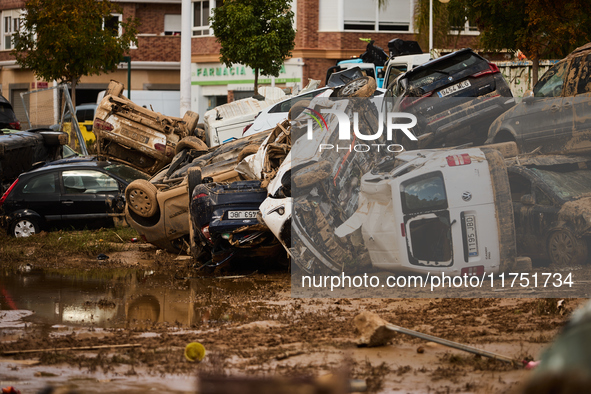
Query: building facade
(327,31)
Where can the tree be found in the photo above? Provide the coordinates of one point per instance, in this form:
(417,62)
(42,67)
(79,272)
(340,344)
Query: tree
(539,28)
(254,33)
(64,40)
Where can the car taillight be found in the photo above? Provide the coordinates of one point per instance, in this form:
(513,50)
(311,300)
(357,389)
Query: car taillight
(246,128)
(402,230)
(102,125)
(458,160)
(160,147)
(409,101)
(15,125)
(205,232)
(492,69)
(5,195)
(471,271)
(199,196)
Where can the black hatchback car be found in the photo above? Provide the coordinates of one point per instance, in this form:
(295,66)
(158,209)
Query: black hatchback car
(455,98)
(552,207)
(72,192)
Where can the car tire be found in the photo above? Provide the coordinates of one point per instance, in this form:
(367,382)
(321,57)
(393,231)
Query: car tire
(566,250)
(22,228)
(141,198)
(191,118)
(360,87)
(193,179)
(54,138)
(190,142)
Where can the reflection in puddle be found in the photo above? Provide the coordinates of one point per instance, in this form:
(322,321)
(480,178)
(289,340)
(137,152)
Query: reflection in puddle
(119,298)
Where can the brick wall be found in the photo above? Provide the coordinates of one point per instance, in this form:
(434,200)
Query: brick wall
(205,46)
(157,49)
(307,24)
(11,4)
(152,16)
(316,69)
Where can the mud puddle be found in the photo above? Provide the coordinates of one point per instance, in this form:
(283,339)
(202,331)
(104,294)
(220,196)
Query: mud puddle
(120,298)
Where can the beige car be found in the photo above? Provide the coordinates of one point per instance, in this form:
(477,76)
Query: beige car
(141,138)
(159,209)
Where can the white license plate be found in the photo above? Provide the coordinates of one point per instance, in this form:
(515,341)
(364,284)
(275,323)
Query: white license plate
(471,235)
(454,88)
(242,214)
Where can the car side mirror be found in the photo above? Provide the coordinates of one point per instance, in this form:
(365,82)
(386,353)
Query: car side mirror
(528,99)
(527,199)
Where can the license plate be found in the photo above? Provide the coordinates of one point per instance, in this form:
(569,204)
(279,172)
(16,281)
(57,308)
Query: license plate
(242,214)
(471,235)
(454,88)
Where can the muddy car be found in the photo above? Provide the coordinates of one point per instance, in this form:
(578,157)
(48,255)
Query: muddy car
(455,98)
(552,207)
(225,224)
(70,192)
(158,209)
(139,137)
(22,150)
(556,117)
(417,213)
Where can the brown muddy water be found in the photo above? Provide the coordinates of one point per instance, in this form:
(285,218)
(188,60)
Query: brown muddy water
(250,327)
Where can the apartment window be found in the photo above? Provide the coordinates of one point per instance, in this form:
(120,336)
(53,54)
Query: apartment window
(395,15)
(113,24)
(201,13)
(11,23)
(172,24)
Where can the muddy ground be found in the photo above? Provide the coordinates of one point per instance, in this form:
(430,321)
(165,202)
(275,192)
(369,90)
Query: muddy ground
(250,326)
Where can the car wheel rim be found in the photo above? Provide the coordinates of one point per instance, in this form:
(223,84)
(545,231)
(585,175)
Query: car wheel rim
(354,86)
(24,228)
(140,201)
(562,249)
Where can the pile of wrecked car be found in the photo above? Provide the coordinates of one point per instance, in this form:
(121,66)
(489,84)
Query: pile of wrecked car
(467,197)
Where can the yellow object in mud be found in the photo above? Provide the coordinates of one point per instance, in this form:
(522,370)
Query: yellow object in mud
(194,352)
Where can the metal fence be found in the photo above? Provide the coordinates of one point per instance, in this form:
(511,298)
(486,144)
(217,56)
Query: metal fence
(52,108)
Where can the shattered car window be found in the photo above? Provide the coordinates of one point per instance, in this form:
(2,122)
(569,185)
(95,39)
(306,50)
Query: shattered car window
(444,69)
(424,193)
(550,85)
(567,185)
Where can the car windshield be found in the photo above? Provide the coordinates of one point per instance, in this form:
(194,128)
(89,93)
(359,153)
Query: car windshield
(126,173)
(567,185)
(442,70)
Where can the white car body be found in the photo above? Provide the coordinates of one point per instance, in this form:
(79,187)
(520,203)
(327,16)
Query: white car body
(270,116)
(437,212)
(226,122)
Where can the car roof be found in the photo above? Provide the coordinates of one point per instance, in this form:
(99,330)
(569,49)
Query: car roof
(430,63)
(79,163)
